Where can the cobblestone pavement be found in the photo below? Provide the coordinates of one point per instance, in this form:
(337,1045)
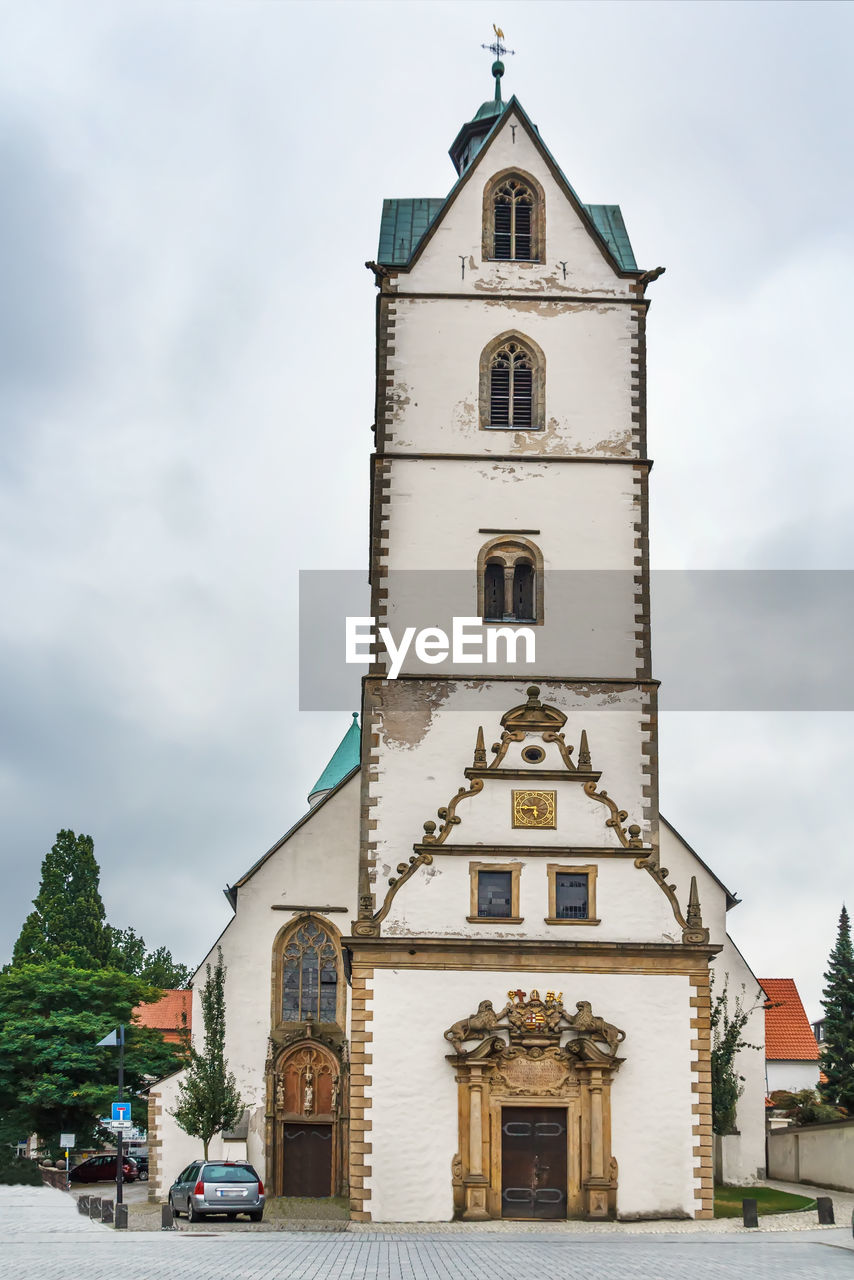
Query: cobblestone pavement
(42,1236)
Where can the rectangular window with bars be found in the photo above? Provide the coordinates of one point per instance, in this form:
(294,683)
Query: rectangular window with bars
(494,894)
(571,896)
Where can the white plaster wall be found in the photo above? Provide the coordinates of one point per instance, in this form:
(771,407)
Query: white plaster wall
(567,237)
(826,1155)
(791,1074)
(587,349)
(316,866)
(683,863)
(414,1133)
(744,1154)
(585,517)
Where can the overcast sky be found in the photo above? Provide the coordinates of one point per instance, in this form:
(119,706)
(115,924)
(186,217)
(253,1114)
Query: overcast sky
(189,192)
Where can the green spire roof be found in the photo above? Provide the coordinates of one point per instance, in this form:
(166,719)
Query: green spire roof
(345,759)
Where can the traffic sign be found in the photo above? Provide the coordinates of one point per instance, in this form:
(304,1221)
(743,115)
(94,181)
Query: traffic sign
(120,1126)
(120,1111)
(67,1140)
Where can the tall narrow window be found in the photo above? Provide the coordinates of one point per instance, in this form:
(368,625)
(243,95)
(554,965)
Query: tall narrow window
(495,891)
(572,894)
(493,591)
(511,390)
(523,592)
(309,975)
(513,213)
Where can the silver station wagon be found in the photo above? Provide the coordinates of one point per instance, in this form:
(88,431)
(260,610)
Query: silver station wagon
(217,1186)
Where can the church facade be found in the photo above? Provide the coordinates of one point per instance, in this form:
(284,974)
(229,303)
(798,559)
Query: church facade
(474,980)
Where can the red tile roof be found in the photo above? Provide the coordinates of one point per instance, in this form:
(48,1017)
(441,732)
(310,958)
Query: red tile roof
(166,1014)
(788,1033)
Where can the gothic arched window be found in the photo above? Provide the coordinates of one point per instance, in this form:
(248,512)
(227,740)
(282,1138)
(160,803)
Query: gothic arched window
(510,581)
(513,218)
(512,384)
(309,974)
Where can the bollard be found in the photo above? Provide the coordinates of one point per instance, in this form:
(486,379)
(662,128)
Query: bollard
(83,1205)
(106,1210)
(167,1218)
(121,1217)
(95,1207)
(824,1204)
(750,1213)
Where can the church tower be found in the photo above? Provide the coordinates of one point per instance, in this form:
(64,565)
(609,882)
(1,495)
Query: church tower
(509,808)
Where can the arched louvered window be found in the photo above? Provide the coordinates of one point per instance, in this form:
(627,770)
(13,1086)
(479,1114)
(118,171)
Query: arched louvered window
(513,220)
(309,961)
(511,387)
(510,581)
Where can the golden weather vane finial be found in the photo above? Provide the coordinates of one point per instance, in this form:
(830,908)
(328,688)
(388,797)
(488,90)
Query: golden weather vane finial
(498,48)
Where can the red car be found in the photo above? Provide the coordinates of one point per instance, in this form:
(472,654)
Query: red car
(103,1169)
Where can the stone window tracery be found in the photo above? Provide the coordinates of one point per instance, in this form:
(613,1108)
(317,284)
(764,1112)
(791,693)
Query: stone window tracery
(309,963)
(512,384)
(513,218)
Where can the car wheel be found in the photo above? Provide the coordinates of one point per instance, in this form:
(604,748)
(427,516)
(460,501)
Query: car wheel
(143,1177)
(256,1215)
(171,1203)
(193,1214)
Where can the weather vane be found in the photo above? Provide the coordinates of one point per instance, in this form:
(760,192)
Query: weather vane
(499,48)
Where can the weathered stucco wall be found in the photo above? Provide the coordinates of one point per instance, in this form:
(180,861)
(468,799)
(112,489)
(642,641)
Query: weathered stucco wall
(317,866)
(822,1155)
(414,1098)
(791,1074)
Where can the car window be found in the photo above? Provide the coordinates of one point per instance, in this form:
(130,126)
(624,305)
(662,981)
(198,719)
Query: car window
(230,1173)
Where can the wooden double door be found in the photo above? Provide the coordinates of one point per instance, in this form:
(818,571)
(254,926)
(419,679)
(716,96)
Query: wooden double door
(533,1162)
(307,1159)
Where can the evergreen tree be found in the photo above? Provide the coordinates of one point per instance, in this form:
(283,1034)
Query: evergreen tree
(208,1097)
(68,920)
(837,1050)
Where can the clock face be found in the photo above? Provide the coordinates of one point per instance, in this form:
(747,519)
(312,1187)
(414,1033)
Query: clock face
(534,808)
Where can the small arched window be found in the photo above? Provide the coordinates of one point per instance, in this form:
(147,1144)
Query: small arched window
(512,385)
(510,581)
(513,218)
(309,969)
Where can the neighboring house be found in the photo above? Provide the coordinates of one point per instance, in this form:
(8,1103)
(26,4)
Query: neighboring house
(818,1031)
(172,1015)
(474,980)
(791,1052)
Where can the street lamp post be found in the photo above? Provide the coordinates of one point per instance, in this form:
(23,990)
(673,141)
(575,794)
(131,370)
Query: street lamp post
(117,1037)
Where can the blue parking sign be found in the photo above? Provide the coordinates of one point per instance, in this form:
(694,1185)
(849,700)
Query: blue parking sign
(120,1112)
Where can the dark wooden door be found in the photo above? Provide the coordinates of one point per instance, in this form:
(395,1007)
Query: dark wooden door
(307,1165)
(533,1162)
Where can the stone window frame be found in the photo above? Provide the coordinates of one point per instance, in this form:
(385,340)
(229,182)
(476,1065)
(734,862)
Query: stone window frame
(515,869)
(538,218)
(277,977)
(509,548)
(538,389)
(590,870)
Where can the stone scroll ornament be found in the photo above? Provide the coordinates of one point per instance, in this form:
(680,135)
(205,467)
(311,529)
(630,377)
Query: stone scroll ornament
(535,1024)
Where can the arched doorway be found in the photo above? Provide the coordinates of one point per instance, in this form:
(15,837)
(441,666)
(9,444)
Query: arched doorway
(307,1157)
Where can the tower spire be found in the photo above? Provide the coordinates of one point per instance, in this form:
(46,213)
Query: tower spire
(498,49)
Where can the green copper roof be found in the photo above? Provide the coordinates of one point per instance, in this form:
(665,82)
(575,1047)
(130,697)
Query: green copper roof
(346,757)
(404,222)
(609,223)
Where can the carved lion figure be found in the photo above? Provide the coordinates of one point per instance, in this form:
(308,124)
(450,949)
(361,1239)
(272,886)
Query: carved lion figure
(477,1026)
(591,1025)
